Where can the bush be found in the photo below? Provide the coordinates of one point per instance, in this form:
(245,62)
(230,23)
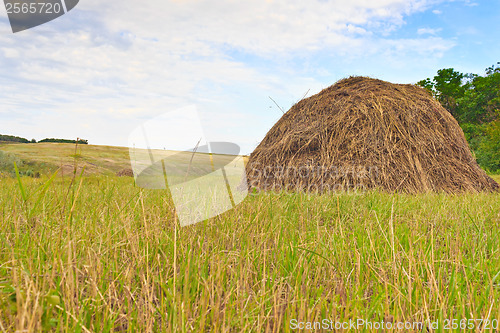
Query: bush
(11,138)
(26,168)
(484,141)
(7,161)
(489,147)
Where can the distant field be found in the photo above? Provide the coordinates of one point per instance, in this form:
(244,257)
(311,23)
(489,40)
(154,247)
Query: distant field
(106,160)
(98,254)
(96,159)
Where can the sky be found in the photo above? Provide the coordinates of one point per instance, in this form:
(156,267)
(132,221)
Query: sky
(106,67)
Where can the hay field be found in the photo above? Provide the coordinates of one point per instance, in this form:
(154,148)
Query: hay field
(97,254)
(105,160)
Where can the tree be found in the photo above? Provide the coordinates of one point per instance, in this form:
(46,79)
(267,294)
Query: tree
(12,138)
(446,87)
(481,100)
(428,85)
(490,147)
(474,101)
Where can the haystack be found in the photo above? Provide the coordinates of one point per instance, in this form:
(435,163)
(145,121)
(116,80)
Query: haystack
(127,172)
(363,133)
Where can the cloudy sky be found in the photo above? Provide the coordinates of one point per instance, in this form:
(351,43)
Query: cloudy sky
(107,66)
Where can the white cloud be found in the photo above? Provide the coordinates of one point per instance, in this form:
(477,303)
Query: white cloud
(471,3)
(260,26)
(356,30)
(428,31)
(10,52)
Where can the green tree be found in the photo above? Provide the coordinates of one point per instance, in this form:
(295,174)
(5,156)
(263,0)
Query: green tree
(449,88)
(489,148)
(480,102)
(428,84)
(474,100)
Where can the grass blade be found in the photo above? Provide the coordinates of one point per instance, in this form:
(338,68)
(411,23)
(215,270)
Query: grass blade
(21,188)
(44,189)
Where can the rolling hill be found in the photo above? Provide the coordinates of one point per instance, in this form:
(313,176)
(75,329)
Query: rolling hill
(47,157)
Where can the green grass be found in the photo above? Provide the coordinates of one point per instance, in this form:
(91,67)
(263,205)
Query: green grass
(99,255)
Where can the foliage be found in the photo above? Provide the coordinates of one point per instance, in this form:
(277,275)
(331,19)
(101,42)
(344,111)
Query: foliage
(9,161)
(12,138)
(446,87)
(490,146)
(79,141)
(474,100)
(481,101)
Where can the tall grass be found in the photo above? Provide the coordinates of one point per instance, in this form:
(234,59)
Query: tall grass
(99,255)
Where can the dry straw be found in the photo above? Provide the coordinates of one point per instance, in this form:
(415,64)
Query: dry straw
(367,133)
(125,173)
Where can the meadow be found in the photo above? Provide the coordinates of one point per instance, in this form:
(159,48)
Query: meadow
(95,253)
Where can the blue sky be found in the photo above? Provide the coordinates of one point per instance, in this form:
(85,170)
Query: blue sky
(104,68)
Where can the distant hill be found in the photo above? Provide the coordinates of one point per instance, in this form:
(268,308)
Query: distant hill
(46,157)
(79,141)
(12,138)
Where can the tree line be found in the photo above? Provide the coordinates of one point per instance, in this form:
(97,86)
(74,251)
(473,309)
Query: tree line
(12,138)
(474,101)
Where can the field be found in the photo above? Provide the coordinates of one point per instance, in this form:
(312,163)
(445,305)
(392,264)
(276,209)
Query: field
(94,253)
(48,157)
